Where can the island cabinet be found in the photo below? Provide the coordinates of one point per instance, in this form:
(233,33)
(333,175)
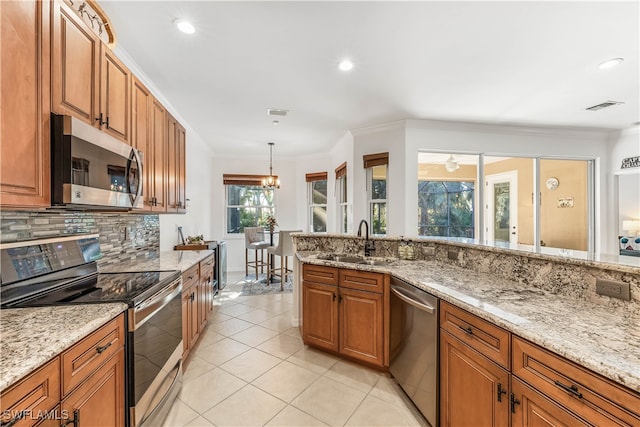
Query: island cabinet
(550,387)
(344,311)
(474,370)
(84,386)
(88,81)
(25,100)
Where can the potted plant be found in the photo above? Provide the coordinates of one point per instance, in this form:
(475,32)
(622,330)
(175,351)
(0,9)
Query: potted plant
(270,222)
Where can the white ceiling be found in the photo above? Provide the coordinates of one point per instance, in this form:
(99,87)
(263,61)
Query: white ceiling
(498,62)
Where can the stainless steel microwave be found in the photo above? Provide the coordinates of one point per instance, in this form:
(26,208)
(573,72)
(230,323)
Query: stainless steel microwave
(91,169)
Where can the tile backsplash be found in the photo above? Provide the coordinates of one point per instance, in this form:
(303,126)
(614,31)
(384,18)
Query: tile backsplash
(122,236)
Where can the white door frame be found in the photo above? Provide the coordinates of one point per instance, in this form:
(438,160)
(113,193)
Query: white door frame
(512,178)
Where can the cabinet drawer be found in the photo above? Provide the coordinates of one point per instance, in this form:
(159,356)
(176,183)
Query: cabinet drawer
(206,266)
(320,274)
(86,356)
(487,338)
(37,393)
(362,280)
(585,393)
(190,277)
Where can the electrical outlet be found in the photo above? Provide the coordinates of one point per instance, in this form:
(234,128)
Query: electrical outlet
(428,251)
(452,254)
(613,289)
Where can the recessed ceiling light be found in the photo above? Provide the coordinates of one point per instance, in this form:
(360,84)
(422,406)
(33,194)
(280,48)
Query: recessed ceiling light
(184,26)
(610,63)
(345,65)
(276,122)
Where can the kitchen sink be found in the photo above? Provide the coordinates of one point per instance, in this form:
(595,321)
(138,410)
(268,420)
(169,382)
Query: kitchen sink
(353,259)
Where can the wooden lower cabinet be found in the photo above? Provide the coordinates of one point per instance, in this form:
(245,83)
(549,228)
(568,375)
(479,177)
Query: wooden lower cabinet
(320,315)
(99,401)
(344,320)
(474,391)
(531,408)
(197,302)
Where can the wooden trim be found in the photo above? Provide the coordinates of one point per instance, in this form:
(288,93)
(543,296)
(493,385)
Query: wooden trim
(378,159)
(316,176)
(242,179)
(341,170)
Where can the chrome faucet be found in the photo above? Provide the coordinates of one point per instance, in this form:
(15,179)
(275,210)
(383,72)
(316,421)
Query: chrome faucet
(369,245)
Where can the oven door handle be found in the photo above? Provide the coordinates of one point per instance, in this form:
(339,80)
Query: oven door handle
(174,379)
(144,311)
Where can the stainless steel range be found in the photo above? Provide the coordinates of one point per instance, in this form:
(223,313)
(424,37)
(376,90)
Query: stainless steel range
(64,271)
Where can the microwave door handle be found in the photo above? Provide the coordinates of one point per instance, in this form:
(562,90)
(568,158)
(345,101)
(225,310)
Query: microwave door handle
(134,155)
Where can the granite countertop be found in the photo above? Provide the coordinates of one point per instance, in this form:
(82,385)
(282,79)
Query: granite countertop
(601,336)
(160,261)
(33,336)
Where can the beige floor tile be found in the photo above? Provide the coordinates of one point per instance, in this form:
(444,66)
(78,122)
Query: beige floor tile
(218,317)
(209,389)
(286,380)
(277,307)
(280,323)
(210,336)
(254,335)
(195,367)
(221,351)
(329,401)
(248,407)
(257,316)
(294,417)
(353,375)
(314,360)
(387,389)
(293,331)
(377,412)
(199,422)
(236,309)
(282,345)
(231,326)
(179,414)
(250,365)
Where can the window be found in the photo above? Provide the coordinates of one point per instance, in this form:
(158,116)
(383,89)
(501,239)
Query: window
(248,204)
(317,196)
(376,166)
(445,208)
(343,205)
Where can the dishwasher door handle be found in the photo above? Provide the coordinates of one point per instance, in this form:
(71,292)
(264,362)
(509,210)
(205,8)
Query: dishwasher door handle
(406,298)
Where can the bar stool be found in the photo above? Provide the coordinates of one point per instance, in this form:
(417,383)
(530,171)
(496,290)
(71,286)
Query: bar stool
(253,240)
(283,250)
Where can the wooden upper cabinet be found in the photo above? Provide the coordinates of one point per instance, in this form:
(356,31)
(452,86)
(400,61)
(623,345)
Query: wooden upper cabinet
(141,100)
(155,160)
(176,156)
(75,66)
(114,95)
(24,104)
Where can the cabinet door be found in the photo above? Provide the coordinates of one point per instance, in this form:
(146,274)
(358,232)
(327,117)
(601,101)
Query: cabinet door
(473,390)
(156,160)
(203,296)
(114,96)
(24,103)
(181,180)
(194,332)
(361,325)
(75,66)
(320,315)
(140,115)
(99,401)
(533,409)
(186,323)
(172,164)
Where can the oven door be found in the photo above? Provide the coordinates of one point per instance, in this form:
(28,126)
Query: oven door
(155,355)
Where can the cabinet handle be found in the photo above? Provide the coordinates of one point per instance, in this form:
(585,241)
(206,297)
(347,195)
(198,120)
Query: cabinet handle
(193,296)
(190,277)
(500,392)
(107,122)
(103,348)
(334,297)
(467,329)
(13,421)
(99,119)
(514,402)
(339,298)
(75,420)
(571,390)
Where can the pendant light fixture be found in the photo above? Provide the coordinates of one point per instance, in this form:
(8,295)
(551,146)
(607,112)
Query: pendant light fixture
(451,165)
(270,181)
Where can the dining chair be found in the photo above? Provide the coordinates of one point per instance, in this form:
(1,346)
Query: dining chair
(284,250)
(254,241)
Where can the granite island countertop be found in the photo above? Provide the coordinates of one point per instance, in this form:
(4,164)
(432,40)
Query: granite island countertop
(33,336)
(599,334)
(160,261)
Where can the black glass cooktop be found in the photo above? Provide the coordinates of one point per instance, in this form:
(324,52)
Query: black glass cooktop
(129,288)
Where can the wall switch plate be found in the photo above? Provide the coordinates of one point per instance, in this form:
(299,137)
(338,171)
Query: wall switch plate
(428,251)
(452,254)
(613,289)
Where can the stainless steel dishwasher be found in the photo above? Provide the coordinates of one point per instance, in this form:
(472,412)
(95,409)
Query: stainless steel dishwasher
(414,346)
